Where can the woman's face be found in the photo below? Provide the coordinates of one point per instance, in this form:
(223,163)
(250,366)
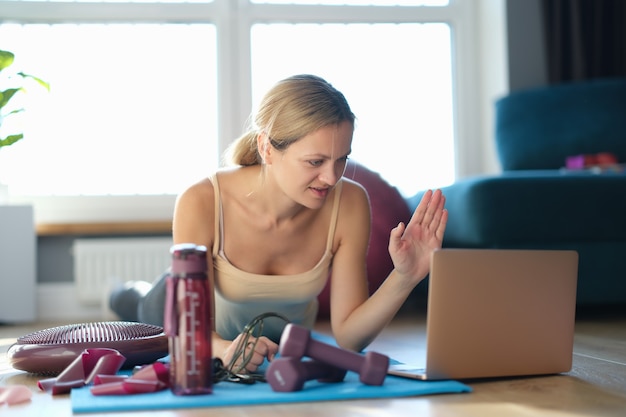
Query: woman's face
(310,167)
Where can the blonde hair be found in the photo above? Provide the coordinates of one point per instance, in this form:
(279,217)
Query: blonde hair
(291,109)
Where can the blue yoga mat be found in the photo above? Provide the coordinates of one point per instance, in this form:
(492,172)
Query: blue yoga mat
(229,394)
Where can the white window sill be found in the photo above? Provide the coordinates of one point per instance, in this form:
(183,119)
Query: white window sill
(99,209)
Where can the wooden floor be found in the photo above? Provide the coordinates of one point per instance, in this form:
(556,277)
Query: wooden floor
(596,386)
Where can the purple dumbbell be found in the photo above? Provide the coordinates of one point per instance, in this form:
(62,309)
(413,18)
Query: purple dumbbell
(286,374)
(296,342)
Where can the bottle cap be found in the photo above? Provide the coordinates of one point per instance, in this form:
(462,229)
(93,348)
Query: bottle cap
(188,258)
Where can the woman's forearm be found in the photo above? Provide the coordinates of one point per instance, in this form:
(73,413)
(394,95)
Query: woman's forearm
(219,346)
(366,322)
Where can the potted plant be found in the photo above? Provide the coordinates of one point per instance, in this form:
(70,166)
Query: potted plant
(15,85)
(10,85)
(17,230)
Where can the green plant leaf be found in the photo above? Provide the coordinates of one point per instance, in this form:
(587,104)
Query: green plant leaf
(6,59)
(10,140)
(13,112)
(37,79)
(6,95)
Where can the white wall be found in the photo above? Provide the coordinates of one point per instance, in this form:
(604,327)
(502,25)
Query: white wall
(494,77)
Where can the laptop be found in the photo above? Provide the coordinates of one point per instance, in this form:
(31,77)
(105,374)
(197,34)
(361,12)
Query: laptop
(498,313)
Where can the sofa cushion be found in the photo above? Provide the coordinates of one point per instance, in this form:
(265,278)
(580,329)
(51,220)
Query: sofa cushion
(535,206)
(539,128)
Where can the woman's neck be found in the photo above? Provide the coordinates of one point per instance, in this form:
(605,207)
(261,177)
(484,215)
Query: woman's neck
(276,207)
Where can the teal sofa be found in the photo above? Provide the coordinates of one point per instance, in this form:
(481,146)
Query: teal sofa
(535,203)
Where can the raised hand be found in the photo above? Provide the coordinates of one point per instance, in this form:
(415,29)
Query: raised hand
(411,246)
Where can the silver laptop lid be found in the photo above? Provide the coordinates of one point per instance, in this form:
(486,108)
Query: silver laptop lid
(495,312)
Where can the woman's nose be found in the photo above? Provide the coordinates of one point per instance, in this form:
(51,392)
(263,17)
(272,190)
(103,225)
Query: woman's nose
(330,175)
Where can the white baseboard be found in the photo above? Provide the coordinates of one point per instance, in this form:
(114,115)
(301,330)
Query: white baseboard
(58,302)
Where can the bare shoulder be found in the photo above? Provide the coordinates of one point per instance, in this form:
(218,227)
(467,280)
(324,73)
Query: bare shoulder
(199,193)
(194,214)
(353,228)
(354,195)
(354,212)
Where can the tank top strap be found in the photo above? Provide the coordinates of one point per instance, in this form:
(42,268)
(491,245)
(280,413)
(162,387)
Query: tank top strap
(218,230)
(334,215)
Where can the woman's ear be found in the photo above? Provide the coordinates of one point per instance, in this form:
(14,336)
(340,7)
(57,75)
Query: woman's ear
(264,147)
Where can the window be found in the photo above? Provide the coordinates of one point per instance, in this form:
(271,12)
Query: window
(403,106)
(146,97)
(131,110)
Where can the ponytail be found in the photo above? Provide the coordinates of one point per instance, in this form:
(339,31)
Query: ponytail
(244,150)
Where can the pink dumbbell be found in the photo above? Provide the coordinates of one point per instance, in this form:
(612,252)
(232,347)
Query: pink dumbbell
(296,342)
(286,374)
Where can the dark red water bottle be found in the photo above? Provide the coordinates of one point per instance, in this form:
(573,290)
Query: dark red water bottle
(187,321)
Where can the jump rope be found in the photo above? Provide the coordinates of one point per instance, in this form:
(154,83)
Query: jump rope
(244,351)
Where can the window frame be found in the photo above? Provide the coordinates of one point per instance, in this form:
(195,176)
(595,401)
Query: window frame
(234,100)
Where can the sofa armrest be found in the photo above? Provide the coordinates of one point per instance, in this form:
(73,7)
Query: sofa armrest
(534,206)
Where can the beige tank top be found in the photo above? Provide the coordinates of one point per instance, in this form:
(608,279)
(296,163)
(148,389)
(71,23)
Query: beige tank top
(240,296)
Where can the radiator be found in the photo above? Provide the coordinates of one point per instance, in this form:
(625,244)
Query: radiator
(100,264)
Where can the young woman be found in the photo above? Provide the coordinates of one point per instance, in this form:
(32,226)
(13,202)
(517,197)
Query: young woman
(283,217)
